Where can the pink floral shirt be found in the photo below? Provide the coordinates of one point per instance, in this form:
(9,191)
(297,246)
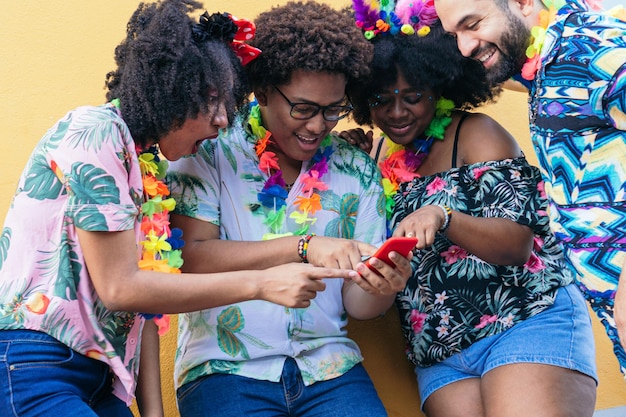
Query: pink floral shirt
(83,174)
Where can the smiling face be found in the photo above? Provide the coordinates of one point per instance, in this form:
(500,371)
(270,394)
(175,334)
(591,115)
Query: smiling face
(490,32)
(186,139)
(402,111)
(298,140)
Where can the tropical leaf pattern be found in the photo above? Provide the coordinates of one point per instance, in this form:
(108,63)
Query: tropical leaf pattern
(82,174)
(5,242)
(454,298)
(186,185)
(220,185)
(346,208)
(41,182)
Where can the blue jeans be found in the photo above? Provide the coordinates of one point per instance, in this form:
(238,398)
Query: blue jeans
(40,376)
(223,395)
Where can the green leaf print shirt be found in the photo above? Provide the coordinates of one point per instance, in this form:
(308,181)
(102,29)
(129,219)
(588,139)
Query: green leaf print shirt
(220,185)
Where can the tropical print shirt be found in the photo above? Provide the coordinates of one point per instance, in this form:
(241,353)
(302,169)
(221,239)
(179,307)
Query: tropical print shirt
(83,174)
(578,128)
(454,298)
(220,185)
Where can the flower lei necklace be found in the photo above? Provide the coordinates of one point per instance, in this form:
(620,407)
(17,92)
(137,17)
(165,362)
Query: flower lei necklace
(538,33)
(401,165)
(274,194)
(161,246)
(538,37)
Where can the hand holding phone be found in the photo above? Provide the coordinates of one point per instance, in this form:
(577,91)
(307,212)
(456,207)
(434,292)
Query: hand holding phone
(402,245)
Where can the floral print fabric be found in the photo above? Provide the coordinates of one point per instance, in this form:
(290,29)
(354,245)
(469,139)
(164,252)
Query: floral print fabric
(82,174)
(220,185)
(454,298)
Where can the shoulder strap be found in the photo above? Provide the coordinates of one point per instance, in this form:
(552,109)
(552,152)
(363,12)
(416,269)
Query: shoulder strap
(380,146)
(456,139)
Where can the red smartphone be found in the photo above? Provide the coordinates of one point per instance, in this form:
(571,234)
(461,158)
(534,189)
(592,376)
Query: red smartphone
(402,245)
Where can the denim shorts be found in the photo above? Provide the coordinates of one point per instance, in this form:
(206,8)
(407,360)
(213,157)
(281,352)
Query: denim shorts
(40,376)
(560,336)
(223,395)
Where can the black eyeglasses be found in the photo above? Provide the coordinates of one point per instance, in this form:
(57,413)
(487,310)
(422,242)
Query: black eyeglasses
(305,111)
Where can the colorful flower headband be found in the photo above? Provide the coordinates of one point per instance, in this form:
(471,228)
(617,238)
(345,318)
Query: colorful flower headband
(381,17)
(226,27)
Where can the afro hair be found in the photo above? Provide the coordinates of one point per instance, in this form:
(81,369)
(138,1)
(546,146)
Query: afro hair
(429,62)
(308,36)
(165,76)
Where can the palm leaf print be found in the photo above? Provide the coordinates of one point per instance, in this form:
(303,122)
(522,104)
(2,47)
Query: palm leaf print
(63,262)
(347,209)
(60,129)
(199,323)
(206,152)
(347,214)
(184,188)
(500,201)
(126,158)
(14,312)
(69,272)
(117,328)
(10,312)
(222,367)
(229,322)
(61,328)
(5,242)
(92,129)
(357,164)
(230,157)
(473,305)
(380,205)
(41,182)
(91,185)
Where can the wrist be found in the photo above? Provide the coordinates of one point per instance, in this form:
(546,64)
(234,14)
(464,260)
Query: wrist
(447,216)
(303,247)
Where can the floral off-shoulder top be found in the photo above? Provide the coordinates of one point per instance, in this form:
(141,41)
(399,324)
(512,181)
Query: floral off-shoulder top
(454,298)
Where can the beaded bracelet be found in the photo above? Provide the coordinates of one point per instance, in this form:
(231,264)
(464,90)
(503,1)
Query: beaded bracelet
(447,214)
(303,247)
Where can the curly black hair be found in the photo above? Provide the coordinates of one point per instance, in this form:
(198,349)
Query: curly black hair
(433,62)
(164,73)
(307,36)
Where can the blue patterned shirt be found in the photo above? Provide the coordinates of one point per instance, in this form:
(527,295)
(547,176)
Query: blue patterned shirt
(577,112)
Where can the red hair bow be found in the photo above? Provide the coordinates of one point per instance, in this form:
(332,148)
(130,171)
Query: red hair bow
(245,32)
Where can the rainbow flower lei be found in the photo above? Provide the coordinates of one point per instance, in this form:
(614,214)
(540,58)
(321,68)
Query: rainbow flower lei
(538,37)
(538,34)
(274,194)
(401,165)
(161,246)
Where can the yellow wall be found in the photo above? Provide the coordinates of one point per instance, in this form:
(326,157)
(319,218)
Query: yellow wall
(54,56)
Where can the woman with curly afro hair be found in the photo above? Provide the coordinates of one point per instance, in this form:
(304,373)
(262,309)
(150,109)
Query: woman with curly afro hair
(91,198)
(491,315)
(277,189)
